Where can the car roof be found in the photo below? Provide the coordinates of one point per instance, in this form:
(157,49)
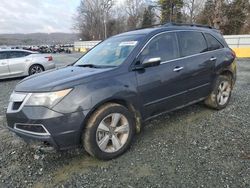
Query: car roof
(171,27)
(16,50)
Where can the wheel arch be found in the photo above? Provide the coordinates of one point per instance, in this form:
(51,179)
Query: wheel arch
(229,73)
(136,113)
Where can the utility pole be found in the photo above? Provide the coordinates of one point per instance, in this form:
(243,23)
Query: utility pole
(105,28)
(172,11)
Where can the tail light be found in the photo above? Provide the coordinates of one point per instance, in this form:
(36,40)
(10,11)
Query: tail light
(233,53)
(50,58)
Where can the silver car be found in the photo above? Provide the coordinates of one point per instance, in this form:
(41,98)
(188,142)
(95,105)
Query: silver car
(17,63)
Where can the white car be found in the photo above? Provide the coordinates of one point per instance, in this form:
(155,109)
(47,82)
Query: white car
(17,63)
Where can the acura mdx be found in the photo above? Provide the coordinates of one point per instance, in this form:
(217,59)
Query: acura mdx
(102,99)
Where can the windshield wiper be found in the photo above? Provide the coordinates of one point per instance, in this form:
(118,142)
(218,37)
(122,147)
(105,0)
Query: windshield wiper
(95,66)
(88,65)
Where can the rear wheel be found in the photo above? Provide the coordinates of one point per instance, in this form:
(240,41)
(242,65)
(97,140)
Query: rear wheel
(220,96)
(109,132)
(35,69)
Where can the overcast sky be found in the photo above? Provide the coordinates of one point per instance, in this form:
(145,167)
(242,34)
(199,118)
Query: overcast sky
(30,16)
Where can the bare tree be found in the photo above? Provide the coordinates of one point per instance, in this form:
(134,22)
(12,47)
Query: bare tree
(92,18)
(193,8)
(218,16)
(98,19)
(134,9)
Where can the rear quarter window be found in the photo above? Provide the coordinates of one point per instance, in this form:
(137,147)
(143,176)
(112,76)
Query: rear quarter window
(3,55)
(213,43)
(191,43)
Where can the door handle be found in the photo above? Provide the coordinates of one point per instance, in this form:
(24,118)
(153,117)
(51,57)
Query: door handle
(213,58)
(177,69)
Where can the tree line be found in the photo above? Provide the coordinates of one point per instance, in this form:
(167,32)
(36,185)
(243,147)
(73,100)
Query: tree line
(99,19)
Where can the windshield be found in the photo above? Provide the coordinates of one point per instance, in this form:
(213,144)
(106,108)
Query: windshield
(111,52)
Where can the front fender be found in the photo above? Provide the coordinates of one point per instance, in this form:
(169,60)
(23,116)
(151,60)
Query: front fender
(90,95)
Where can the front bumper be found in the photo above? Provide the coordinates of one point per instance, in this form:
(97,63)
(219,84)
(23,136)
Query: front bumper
(64,130)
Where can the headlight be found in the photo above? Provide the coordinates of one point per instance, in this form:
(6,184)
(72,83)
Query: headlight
(48,99)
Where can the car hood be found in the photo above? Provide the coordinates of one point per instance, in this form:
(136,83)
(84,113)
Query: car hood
(59,79)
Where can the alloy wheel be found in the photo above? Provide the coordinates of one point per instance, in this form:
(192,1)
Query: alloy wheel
(224,91)
(36,69)
(112,133)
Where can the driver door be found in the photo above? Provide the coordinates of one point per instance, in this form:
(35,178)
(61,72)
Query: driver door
(162,88)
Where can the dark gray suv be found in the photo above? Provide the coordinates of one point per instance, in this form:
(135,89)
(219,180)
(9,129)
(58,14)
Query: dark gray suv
(102,99)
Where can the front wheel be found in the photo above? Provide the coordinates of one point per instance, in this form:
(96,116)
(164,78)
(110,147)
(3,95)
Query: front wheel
(220,96)
(109,132)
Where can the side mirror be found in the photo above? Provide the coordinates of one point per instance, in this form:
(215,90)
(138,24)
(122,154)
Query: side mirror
(148,62)
(151,62)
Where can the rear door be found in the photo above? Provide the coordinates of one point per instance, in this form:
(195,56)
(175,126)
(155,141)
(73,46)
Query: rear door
(162,87)
(4,67)
(216,50)
(198,62)
(18,62)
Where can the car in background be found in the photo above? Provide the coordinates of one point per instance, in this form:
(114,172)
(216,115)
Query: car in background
(18,63)
(54,49)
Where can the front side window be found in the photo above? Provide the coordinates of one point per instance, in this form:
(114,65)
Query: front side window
(110,53)
(213,43)
(164,46)
(191,43)
(3,55)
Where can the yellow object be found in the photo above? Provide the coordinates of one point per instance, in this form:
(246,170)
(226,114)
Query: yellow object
(83,50)
(242,52)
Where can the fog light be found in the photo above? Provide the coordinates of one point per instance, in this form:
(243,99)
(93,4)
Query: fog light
(36,129)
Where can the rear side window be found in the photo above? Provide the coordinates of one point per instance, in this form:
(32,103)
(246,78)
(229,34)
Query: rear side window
(26,53)
(213,43)
(191,43)
(164,46)
(3,55)
(17,54)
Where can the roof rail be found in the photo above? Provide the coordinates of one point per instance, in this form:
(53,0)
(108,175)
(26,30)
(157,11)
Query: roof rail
(187,24)
(155,25)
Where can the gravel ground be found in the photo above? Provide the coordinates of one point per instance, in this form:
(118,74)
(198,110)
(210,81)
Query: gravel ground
(192,147)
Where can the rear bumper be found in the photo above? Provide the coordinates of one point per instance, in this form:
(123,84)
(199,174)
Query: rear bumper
(234,70)
(64,130)
(49,65)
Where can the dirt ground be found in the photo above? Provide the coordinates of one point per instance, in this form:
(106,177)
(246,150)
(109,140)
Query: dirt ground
(192,147)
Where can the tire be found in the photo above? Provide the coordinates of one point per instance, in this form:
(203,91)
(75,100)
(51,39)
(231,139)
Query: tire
(221,94)
(35,69)
(104,137)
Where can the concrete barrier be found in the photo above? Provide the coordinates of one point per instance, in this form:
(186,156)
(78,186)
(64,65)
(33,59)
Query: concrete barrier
(240,44)
(84,46)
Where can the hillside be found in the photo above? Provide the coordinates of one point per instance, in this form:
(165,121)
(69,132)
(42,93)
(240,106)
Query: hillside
(37,38)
